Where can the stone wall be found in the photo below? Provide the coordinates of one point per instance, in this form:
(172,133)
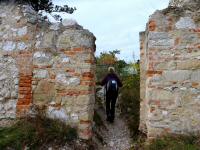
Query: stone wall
(48,66)
(170,71)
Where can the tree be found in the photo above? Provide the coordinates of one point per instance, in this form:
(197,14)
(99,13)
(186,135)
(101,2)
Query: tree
(46,5)
(108,58)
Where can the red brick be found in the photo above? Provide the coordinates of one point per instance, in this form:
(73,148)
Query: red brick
(88,74)
(24,101)
(152,25)
(78,49)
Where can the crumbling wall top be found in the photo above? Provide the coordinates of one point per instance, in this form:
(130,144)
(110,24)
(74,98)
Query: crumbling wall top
(182,3)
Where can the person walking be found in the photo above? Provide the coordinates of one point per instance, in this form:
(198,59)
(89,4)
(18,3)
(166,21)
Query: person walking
(111,82)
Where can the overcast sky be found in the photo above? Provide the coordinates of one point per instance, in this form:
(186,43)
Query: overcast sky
(115,23)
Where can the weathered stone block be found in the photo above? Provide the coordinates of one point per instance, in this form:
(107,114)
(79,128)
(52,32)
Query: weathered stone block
(9,46)
(157,94)
(195,77)
(44,93)
(75,38)
(177,75)
(22,31)
(185,23)
(40,74)
(42,59)
(188,64)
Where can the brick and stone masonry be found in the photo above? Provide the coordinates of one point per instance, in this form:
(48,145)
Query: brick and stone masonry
(46,65)
(170,70)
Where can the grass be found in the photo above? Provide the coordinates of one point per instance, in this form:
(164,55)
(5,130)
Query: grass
(178,142)
(175,143)
(35,133)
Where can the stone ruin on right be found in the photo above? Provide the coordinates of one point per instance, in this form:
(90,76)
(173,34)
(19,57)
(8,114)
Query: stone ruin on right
(170,71)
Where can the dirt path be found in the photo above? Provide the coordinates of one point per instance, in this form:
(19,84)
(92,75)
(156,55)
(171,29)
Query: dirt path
(115,135)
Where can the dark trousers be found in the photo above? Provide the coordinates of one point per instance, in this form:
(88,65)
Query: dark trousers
(110,105)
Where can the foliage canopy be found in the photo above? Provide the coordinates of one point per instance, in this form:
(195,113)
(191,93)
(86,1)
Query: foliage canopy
(45,5)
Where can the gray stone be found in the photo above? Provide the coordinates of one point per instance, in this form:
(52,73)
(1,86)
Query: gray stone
(177,75)
(40,74)
(3,77)
(42,58)
(22,31)
(75,38)
(56,113)
(9,46)
(73,81)
(185,23)
(61,78)
(160,40)
(195,77)
(48,39)
(69,22)
(21,46)
(55,26)
(74,117)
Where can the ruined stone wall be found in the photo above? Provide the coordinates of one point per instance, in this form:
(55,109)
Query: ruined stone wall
(48,66)
(170,54)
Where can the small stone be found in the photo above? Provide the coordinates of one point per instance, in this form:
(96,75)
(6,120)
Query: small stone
(2,99)
(41,74)
(73,81)
(65,59)
(111,144)
(74,117)
(21,46)
(9,46)
(18,18)
(57,113)
(3,77)
(14,94)
(39,54)
(22,31)
(61,77)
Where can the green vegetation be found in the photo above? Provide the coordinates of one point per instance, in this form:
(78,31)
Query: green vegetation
(171,143)
(129,99)
(97,119)
(35,133)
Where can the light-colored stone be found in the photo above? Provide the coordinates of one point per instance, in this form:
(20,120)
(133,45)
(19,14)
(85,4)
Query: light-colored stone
(177,75)
(21,46)
(57,113)
(69,22)
(41,74)
(9,46)
(195,77)
(185,23)
(22,31)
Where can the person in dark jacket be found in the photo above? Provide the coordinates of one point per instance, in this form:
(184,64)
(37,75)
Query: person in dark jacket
(111,95)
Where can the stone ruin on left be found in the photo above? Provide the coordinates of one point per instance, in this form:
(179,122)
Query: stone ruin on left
(46,65)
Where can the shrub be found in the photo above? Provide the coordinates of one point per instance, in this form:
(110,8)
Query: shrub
(130,102)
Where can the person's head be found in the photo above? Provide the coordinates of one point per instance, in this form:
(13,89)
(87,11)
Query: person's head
(111,69)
